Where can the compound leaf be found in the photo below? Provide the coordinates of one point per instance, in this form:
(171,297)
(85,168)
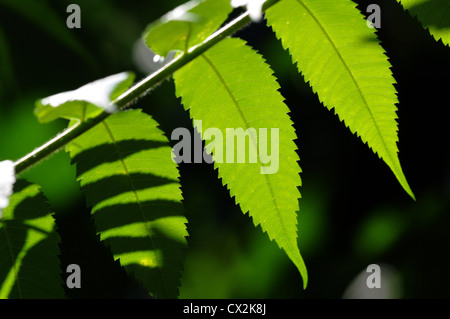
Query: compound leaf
(345,65)
(433,14)
(29,263)
(231,90)
(126,171)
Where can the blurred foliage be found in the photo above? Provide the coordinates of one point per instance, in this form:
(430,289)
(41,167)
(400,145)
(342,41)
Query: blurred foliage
(353,213)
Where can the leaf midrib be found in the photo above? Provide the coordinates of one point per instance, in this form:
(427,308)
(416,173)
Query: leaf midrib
(269,185)
(138,201)
(300,2)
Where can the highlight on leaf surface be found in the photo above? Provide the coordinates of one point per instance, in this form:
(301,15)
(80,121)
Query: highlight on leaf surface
(186,25)
(7,180)
(85,102)
(346,66)
(29,263)
(126,171)
(254,8)
(239,92)
(434,15)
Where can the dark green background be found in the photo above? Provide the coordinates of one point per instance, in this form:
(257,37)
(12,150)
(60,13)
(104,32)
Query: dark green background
(353,211)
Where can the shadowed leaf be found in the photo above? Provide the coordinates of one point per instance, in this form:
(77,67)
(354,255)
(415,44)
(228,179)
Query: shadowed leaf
(434,15)
(29,264)
(126,171)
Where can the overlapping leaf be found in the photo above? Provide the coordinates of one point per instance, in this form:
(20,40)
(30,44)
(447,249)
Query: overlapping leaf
(85,102)
(231,87)
(342,60)
(187,25)
(125,168)
(29,263)
(433,14)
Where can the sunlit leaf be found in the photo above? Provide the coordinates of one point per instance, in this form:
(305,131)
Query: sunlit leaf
(86,102)
(186,25)
(238,91)
(344,63)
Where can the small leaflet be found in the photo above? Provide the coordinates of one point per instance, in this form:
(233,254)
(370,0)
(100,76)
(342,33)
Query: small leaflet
(97,93)
(86,101)
(186,26)
(7,180)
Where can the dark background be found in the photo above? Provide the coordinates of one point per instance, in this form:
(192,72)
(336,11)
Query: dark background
(353,211)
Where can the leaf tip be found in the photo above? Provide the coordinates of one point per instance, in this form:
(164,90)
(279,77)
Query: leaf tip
(409,191)
(303,273)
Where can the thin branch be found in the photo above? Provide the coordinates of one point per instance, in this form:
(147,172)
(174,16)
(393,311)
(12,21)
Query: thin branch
(136,91)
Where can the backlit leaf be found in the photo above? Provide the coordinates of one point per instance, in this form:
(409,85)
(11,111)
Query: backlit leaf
(186,25)
(237,91)
(126,171)
(85,102)
(346,66)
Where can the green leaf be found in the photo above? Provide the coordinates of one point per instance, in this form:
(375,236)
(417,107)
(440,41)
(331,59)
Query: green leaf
(126,171)
(29,263)
(85,102)
(231,87)
(186,25)
(341,58)
(434,15)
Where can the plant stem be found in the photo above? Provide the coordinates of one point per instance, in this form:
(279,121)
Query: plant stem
(136,91)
